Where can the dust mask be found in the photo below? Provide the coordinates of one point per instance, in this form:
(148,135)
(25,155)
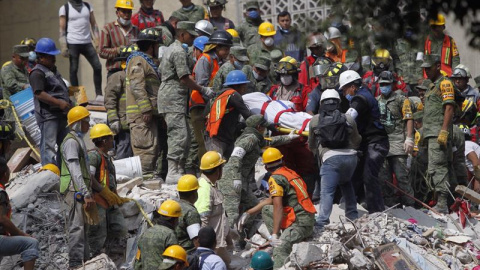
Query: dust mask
(286,79)
(268,42)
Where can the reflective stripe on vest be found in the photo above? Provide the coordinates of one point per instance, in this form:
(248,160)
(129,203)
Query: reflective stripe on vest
(65,177)
(302,196)
(104,178)
(218,111)
(446,57)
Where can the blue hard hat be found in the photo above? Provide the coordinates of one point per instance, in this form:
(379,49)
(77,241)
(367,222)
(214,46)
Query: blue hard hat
(199,42)
(261,260)
(46,46)
(236,77)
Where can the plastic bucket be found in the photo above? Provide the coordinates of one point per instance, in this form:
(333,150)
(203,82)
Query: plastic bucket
(131,167)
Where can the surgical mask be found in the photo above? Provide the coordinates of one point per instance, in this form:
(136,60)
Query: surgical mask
(185,47)
(348,97)
(257,76)
(386,90)
(238,65)
(32,56)
(286,79)
(253,14)
(124,22)
(268,42)
(188,8)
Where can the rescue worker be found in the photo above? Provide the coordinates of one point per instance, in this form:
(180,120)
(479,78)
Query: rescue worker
(111,220)
(223,113)
(116,35)
(334,48)
(14,76)
(32,56)
(408,51)
(460,76)
(51,100)
(261,260)
(248,29)
(147,134)
(174,258)
(76,186)
(375,146)
(173,98)
(210,203)
(238,59)
(266,31)
(437,42)
(235,37)
(316,44)
(193,12)
(155,240)
(204,28)
(288,208)
(198,46)
(116,105)
(215,8)
(437,127)
(397,118)
(189,222)
(7,135)
(320,68)
(288,38)
(168,28)
(147,16)
(258,75)
(13,240)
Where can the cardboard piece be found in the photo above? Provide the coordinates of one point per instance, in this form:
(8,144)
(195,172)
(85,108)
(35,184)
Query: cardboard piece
(19,159)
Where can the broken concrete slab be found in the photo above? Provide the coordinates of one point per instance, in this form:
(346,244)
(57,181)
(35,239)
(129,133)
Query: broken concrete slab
(124,188)
(305,253)
(469,193)
(409,212)
(24,190)
(101,262)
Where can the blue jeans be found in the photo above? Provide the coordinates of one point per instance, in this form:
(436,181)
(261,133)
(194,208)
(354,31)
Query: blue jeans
(52,132)
(74,51)
(24,245)
(337,171)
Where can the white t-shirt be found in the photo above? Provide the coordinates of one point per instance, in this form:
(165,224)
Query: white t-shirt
(471,147)
(78,26)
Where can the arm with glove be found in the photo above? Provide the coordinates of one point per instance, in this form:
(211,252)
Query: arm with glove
(447,125)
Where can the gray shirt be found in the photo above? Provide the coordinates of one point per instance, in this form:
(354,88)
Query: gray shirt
(213,261)
(71,152)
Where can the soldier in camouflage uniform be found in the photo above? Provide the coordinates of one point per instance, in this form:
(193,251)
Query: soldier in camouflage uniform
(238,60)
(189,222)
(258,75)
(168,28)
(248,29)
(265,46)
(397,118)
(408,68)
(193,12)
(156,239)
(437,128)
(142,83)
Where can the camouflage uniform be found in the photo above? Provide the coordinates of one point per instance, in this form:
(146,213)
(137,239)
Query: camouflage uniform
(395,111)
(255,85)
(222,73)
(248,32)
(190,216)
(152,244)
(408,68)
(13,80)
(196,14)
(258,49)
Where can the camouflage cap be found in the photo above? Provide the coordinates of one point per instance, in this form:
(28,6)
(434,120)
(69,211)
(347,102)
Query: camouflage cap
(255,120)
(276,55)
(424,85)
(430,60)
(180,16)
(21,50)
(263,63)
(252,5)
(188,26)
(418,115)
(240,53)
(477,81)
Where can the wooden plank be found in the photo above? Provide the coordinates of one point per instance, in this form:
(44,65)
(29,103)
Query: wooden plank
(469,193)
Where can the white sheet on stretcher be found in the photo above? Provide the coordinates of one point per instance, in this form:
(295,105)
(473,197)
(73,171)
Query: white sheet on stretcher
(292,120)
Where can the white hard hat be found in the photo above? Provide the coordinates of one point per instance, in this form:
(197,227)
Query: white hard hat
(332,32)
(205,27)
(347,77)
(461,71)
(329,94)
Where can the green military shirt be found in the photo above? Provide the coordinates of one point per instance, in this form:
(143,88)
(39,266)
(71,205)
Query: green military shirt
(167,37)
(408,67)
(14,79)
(440,93)
(256,50)
(152,244)
(248,32)
(115,99)
(189,217)
(195,14)
(394,112)
(95,161)
(222,73)
(262,86)
(172,95)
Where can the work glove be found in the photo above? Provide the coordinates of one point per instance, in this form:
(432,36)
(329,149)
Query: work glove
(476,172)
(275,241)
(242,221)
(272,127)
(207,91)
(91,214)
(237,185)
(292,135)
(112,198)
(408,145)
(63,46)
(442,138)
(115,127)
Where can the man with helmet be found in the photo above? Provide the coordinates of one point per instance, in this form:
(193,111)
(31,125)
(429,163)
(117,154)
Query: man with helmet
(258,75)
(266,31)
(51,100)
(223,114)
(117,35)
(7,135)
(215,8)
(288,38)
(334,48)
(155,240)
(316,44)
(381,61)
(193,12)
(111,220)
(397,118)
(147,16)
(174,258)
(248,29)
(235,37)
(460,76)
(189,222)
(326,73)
(441,44)
(375,146)
(32,56)
(198,46)
(237,60)
(204,28)
(261,260)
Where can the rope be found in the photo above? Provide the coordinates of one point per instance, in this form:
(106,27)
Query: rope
(143,212)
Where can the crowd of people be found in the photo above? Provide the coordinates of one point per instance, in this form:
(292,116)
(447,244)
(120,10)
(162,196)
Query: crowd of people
(391,126)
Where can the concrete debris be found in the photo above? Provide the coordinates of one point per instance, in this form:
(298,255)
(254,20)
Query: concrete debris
(305,253)
(101,262)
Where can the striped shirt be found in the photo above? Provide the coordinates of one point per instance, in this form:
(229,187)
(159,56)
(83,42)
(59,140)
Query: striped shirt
(114,36)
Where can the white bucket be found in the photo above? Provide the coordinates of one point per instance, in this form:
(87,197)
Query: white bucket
(131,167)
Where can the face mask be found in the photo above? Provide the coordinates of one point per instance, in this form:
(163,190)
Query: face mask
(348,97)
(188,8)
(238,65)
(268,42)
(32,56)
(80,134)
(124,22)
(257,76)
(286,79)
(253,14)
(286,31)
(386,90)
(185,47)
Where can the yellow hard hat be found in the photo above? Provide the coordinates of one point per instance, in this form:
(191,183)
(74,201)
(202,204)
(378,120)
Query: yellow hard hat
(271,155)
(51,167)
(100,130)
(266,29)
(439,21)
(233,32)
(382,53)
(77,113)
(211,160)
(170,208)
(186,183)
(126,4)
(287,65)
(176,252)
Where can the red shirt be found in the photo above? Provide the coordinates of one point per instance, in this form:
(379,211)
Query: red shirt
(143,20)
(303,75)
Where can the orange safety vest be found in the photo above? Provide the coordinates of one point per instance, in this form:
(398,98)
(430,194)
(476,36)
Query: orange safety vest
(104,181)
(196,98)
(446,61)
(218,111)
(302,196)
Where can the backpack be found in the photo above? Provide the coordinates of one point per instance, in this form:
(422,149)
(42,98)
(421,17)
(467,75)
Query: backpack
(66,6)
(332,130)
(197,259)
